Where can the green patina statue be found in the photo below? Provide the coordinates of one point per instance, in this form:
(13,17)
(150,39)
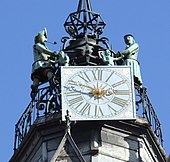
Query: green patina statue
(109,59)
(43,67)
(130,55)
(125,57)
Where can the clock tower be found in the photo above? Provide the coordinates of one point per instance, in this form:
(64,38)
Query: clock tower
(94,110)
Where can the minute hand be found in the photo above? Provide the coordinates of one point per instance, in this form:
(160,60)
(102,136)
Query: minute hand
(80,84)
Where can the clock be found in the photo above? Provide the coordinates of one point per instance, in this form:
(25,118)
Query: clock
(97,93)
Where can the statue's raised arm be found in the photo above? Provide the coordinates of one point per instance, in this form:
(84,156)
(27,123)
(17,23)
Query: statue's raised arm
(43,68)
(130,55)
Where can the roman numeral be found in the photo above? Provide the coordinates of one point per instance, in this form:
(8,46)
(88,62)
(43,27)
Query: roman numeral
(112,110)
(70,93)
(109,76)
(118,83)
(97,74)
(100,74)
(86,109)
(94,75)
(98,111)
(119,101)
(78,105)
(84,76)
(72,82)
(75,100)
(121,92)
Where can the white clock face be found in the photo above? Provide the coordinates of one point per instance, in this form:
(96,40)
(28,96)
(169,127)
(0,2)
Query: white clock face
(97,93)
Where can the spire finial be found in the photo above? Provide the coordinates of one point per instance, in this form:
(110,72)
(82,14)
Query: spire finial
(84,5)
(84,21)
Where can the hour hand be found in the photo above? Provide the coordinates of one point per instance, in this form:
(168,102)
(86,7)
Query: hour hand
(108,92)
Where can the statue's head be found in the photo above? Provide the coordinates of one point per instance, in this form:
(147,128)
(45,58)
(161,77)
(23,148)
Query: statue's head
(129,39)
(108,53)
(41,37)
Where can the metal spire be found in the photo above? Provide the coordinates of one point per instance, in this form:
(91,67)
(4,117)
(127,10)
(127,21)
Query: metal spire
(84,21)
(85,5)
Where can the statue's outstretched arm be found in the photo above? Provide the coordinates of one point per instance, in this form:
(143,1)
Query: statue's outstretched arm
(118,58)
(43,49)
(133,48)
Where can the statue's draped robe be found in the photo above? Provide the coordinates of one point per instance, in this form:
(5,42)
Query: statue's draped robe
(131,54)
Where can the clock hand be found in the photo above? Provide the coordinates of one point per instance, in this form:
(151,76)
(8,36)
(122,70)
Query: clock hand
(99,92)
(89,94)
(80,84)
(93,91)
(72,89)
(103,93)
(108,92)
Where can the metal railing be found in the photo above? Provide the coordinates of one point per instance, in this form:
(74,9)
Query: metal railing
(146,110)
(47,101)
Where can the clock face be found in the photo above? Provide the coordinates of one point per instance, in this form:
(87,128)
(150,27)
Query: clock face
(97,93)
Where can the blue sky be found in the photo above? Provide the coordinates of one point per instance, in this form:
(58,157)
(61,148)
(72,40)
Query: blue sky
(147,20)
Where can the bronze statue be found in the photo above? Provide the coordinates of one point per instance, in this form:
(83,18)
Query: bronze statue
(109,58)
(43,67)
(130,55)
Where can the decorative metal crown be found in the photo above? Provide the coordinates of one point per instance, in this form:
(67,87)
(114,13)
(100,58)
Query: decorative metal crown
(84,21)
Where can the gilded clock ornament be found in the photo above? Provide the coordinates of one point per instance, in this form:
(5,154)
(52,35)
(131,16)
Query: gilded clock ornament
(97,93)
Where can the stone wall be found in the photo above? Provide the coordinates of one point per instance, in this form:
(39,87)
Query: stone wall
(97,141)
